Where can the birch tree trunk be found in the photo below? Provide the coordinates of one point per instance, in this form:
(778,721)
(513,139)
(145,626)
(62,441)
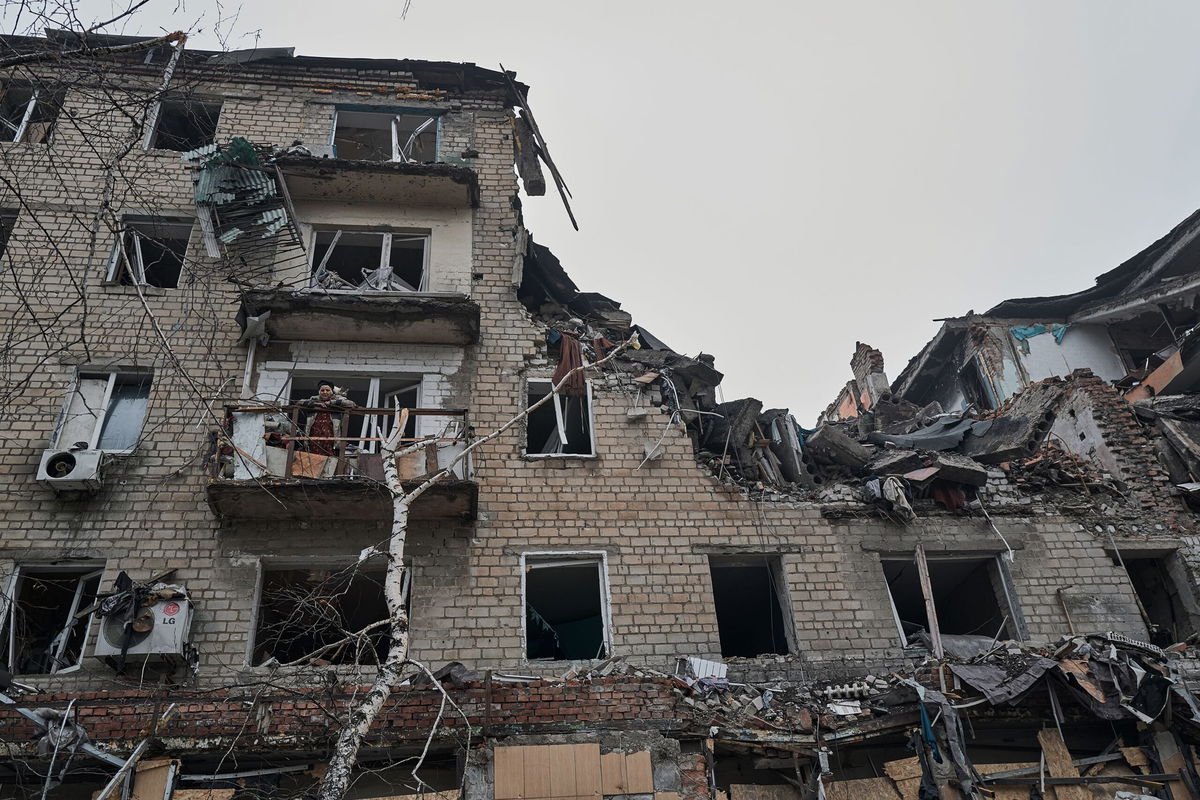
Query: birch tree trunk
(345,752)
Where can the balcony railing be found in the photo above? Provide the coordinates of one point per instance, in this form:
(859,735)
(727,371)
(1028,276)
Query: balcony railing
(280,443)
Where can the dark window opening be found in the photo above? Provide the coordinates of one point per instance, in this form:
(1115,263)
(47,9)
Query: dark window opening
(976,387)
(382,136)
(8,221)
(749,593)
(1160,596)
(28,113)
(184,125)
(560,417)
(41,631)
(564,609)
(965,596)
(151,252)
(312,615)
(386,261)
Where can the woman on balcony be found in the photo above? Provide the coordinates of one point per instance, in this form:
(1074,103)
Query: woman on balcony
(322,427)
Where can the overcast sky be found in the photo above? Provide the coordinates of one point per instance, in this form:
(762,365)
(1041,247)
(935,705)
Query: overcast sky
(770,182)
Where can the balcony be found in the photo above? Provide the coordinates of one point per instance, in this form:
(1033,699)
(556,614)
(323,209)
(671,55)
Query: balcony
(399,317)
(268,466)
(343,180)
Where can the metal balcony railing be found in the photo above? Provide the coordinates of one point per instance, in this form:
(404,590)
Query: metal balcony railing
(281,442)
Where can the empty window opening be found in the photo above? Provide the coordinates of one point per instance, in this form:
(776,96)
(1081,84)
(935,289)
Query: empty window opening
(44,630)
(376,136)
(28,113)
(976,387)
(368,260)
(105,411)
(750,597)
(318,617)
(150,252)
(565,608)
(967,596)
(560,427)
(8,221)
(1160,596)
(184,125)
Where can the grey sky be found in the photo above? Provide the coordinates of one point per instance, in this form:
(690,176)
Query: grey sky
(769,182)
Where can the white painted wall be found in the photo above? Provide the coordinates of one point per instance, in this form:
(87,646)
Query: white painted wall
(1082,346)
(449,232)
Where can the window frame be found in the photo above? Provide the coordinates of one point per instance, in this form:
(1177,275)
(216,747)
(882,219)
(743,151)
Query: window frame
(783,595)
(434,115)
(10,601)
(154,117)
(102,412)
(385,250)
(36,92)
(262,566)
(551,558)
(921,559)
(558,414)
(118,258)
(374,426)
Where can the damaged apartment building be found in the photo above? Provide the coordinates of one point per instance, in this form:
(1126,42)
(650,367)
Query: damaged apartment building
(225,272)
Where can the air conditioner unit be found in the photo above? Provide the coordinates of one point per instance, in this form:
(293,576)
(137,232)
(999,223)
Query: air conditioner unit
(159,631)
(71,470)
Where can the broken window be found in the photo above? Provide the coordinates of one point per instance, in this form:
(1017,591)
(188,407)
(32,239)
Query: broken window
(1159,593)
(560,427)
(318,616)
(366,392)
(369,260)
(183,125)
(968,597)
(384,136)
(150,251)
(976,386)
(750,595)
(43,629)
(105,411)
(27,113)
(565,607)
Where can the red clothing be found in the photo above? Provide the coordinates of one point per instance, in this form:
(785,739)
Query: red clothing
(322,428)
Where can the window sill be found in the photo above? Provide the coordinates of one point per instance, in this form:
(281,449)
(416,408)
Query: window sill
(558,457)
(149,291)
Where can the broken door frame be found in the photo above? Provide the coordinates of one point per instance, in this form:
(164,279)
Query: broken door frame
(10,600)
(562,558)
(1015,622)
(436,114)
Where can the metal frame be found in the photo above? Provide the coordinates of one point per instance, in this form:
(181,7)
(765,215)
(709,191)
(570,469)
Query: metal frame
(543,559)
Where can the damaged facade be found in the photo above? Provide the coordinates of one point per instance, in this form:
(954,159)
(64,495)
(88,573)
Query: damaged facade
(977,580)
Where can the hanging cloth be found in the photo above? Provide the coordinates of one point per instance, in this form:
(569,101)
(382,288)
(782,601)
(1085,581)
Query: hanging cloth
(570,357)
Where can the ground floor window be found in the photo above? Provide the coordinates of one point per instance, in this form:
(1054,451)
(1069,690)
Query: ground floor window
(46,617)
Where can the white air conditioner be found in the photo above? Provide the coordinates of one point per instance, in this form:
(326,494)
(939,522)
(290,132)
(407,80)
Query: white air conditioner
(161,633)
(71,470)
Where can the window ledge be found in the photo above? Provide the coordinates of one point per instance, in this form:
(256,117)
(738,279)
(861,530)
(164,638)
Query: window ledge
(149,291)
(558,457)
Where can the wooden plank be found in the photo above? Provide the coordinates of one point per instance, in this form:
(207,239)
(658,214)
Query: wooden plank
(612,773)
(1172,760)
(203,794)
(562,771)
(910,788)
(639,775)
(903,769)
(587,770)
(1136,757)
(935,632)
(858,789)
(509,773)
(749,791)
(668,796)
(537,771)
(1059,765)
(152,780)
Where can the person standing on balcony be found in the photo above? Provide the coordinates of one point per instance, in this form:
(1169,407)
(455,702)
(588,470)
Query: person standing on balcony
(322,427)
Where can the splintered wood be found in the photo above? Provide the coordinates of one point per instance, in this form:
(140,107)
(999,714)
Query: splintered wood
(576,771)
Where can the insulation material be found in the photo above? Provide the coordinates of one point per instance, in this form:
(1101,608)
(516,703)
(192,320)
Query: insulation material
(860,789)
(748,791)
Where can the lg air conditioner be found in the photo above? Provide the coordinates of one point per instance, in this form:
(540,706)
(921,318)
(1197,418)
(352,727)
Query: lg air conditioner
(71,470)
(158,632)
